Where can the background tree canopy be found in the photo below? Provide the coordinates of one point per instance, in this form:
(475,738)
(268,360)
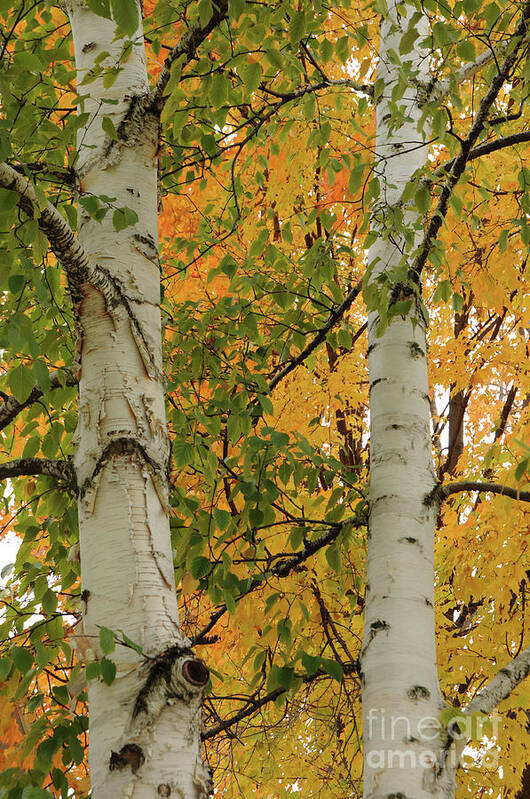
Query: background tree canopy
(270,195)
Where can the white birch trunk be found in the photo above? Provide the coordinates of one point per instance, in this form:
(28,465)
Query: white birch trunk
(401,695)
(144,727)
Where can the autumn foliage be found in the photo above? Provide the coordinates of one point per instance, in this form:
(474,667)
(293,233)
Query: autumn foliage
(265,211)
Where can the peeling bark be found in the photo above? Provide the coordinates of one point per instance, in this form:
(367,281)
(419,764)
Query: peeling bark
(144,727)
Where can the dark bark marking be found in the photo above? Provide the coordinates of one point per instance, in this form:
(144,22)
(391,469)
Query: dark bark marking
(379,625)
(129,755)
(415,350)
(119,446)
(418,692)
(378,380)
(408,539)
(160,672)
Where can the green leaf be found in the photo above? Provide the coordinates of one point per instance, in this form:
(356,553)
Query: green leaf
(123,218)
(200,567)
(208,144)
(125,14)
(457,302)
(285,676)
(35,793)
(108,126)
(333,668)
(343,49)
(108,670)
(228,265)
(235,8)
(443,291)
(422,199)
(522,466)
(333,557)
(407,41)
(6,664)
(205,11)
(46,751)
(8,200)
(41,375)
(129,642)
(466,50)
(401,308)
(21,382)
(183,453)
(326,50)
(230,602)
(107,640)
(503,241)
(100,7)
(7,569)
(311,663)
(22,658)
(16,283)
(49,601)
(109,78)
(356,179)
(93,670)
(252,76)
(296,26)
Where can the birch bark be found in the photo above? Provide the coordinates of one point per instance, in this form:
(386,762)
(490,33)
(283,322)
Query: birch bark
(401,695)
(145,726)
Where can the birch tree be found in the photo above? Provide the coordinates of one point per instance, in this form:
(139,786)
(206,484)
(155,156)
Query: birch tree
(313,172)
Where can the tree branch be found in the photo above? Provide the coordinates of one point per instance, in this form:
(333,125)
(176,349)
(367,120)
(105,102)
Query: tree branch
(11,407)
(211,732)
(484,702)
(286,565)
(334,317)
(441,492)
(363,88)
(485,149)
(63,240)
(459,163)
(79,269)
(187,46)
(468,71)
(60,470)
(501,686)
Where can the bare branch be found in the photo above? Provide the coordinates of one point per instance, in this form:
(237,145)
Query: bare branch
(443,491)
(485,149)
(363,88)
(60,470)
(252,707)
(459,163)
(187,47)
(334,317)
(11,407)
(506,410)
(286,565)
